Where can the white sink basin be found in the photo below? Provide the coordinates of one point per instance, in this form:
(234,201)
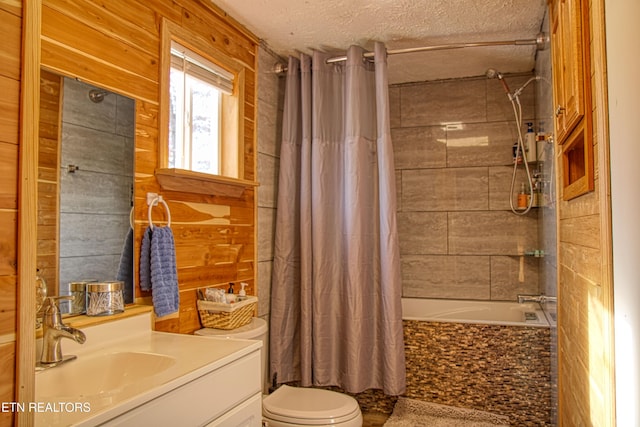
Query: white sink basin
(123,365)
(100,374)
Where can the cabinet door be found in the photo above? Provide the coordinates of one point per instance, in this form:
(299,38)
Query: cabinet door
(568,37)
(247,414)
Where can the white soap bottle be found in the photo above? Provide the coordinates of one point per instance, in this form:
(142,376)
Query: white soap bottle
(530,144)
(242,294)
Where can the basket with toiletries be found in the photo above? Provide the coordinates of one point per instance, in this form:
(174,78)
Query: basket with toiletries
(220,310)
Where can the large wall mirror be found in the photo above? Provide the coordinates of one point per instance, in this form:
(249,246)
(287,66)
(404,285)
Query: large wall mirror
(85,186)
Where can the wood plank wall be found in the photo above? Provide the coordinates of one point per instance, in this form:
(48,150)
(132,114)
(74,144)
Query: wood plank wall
(116,45)
(585,292)
(10,54)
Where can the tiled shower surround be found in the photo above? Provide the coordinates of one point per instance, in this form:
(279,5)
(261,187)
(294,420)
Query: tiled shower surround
(453,156)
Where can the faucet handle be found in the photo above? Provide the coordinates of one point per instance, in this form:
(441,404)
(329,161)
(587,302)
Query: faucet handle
(51,311)
(50,303)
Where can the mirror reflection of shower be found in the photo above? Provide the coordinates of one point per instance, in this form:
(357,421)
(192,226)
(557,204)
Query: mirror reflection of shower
(520,149)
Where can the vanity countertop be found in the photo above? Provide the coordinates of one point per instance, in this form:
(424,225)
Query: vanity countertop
(122,366)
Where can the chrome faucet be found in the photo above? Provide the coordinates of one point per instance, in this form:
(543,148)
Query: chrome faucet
(540,299)
(53,330)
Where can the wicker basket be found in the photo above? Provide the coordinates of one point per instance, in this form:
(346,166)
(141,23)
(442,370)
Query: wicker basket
(226,316)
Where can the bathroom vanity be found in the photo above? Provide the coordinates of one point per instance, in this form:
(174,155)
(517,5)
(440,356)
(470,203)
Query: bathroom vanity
(128,375)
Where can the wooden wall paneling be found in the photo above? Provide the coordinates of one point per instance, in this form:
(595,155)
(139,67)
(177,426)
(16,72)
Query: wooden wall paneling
(67,61)
(9,112)
(7,379)
(116,30)
(600,97)
(93,43)
(8,239)
(10,49)
(127,21)
(12,6)
(10,72)
(221,15)
(585,317)
(9,174)
(8,302)
(27,210)
(219,34)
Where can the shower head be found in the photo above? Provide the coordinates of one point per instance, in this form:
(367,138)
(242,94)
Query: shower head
(97,95)
(492,73)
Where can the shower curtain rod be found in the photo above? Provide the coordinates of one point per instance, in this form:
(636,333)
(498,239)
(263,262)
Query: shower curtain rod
(540,42)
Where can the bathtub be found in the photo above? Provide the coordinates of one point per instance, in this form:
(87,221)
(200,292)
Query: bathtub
(479,354)
(483,312)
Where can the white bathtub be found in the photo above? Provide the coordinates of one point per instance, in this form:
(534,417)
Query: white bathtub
(464,311)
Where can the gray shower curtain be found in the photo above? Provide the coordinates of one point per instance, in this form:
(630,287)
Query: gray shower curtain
(335,299)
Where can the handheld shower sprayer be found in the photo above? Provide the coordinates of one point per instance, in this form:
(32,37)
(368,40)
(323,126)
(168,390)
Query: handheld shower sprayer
(492,73)
(514,98)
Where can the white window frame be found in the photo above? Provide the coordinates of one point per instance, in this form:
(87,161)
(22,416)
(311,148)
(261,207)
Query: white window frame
(231,104)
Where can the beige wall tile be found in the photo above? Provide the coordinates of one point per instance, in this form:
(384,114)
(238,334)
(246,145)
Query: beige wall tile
(422,233)
(437,103)
(394,107)
(481,144)
(264,287)
(268,170)
(492,233)
(271,86)
(583,259)
(419,147)
(463,277)
(583,230)
(445,189)
(266,230)
(499,107)
(513,275)
(269,131)
(270,96)
(500,178)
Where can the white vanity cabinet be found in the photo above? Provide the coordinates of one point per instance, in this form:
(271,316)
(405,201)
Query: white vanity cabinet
(127,375)
(229,396)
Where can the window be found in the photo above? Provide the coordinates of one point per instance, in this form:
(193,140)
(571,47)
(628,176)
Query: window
(202,117)
(196,87)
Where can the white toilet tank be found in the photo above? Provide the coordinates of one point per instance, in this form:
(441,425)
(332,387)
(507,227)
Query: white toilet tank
(257,329)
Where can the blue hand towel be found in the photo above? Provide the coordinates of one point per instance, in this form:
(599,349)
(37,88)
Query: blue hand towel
(145,260)
(164,274)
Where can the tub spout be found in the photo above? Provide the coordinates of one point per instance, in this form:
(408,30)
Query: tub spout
(540,299)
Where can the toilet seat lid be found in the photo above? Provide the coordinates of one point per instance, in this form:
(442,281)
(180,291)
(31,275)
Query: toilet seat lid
(309,406)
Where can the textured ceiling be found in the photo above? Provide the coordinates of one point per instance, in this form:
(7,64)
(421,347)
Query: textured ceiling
(291,26)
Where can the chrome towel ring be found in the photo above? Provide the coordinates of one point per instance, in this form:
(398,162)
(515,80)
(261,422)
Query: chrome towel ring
(152,200)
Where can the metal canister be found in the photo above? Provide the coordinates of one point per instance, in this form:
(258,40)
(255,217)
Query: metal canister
(105,298)
(78,290)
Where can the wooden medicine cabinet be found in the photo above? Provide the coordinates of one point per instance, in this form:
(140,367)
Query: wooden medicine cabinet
(572,94)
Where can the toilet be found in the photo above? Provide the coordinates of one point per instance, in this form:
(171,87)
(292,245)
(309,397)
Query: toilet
(294,406)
